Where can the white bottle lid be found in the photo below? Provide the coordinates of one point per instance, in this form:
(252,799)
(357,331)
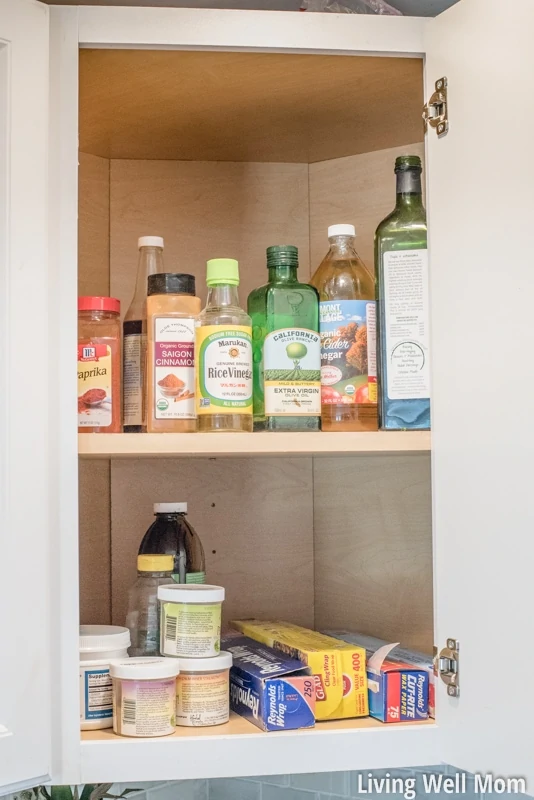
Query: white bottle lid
(150,241)
(101,638)
(145,668)
(170,508)
(223,661)
(341,230)
(190,593)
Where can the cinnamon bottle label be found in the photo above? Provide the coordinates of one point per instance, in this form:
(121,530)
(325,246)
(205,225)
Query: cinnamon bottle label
(95,396)
(174,368)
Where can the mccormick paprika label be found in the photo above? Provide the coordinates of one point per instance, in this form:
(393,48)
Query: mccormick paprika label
(348,351)
(292,372)
(94,385)
(224,375)
(174,368)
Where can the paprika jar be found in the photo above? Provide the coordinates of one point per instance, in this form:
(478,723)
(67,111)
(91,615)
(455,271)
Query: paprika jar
(99,365)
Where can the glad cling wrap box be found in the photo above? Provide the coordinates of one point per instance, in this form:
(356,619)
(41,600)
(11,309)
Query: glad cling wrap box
(338,668)
(401,681)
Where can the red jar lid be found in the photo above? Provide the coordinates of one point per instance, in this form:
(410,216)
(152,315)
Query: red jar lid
(99,304)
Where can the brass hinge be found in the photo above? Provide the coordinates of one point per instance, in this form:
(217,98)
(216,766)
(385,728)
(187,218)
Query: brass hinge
(436,111)
(447,666)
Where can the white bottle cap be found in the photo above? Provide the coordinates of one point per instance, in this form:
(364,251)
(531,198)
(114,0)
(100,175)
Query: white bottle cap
(145,668)
(223,661)
(341,230)
(94,638)
(170,508)
(190,593)
(150,241)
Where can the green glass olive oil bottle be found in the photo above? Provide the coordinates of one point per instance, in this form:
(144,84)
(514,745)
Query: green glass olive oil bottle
(401,268)
(286,347)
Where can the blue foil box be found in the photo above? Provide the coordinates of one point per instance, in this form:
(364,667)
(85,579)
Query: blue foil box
(271,690)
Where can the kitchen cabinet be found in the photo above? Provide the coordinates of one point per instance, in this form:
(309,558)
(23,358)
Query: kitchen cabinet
(225,131)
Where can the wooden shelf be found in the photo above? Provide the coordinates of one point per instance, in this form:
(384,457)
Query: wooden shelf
(273,107)
(239,445)
(240,749)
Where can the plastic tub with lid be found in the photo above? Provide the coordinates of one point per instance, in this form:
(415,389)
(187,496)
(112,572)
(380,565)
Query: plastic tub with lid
(99,644)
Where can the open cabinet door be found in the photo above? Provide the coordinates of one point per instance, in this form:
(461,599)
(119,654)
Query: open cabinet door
(25,644)
(481,223)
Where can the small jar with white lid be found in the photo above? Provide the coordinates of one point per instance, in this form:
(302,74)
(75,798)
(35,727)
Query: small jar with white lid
(99,644)
(190,620)
(144,696)
(203,691)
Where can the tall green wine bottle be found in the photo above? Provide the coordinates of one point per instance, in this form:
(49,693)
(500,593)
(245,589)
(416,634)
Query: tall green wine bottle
(286,347)
(401,267)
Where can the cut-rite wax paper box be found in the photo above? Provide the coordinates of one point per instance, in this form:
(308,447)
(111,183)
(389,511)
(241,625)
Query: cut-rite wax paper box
(401,681)
(338,668)
(273,691)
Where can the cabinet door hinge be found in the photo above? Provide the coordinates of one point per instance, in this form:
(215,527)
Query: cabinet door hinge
(447,666)
(436,111)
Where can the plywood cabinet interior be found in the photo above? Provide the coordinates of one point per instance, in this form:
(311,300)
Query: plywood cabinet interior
(335,542)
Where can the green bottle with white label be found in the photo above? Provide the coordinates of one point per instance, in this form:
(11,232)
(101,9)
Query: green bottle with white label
(286,347)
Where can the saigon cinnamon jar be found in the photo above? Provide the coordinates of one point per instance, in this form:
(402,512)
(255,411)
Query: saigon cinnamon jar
(99,365)
(170,375)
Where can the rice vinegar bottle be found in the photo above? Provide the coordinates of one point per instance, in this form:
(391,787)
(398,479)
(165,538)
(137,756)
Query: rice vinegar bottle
(223,354)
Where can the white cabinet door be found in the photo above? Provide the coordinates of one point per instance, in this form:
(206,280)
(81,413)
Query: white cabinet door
(25,644)
(481,222)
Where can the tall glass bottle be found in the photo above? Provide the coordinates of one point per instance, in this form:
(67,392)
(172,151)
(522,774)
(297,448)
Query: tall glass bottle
(223,354)
(286,347)
(402,293)
(134,335)
(347,324)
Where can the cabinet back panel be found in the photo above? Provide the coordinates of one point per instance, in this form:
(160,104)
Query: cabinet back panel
(256,514)
(206,210)
(373,547)
(93,225)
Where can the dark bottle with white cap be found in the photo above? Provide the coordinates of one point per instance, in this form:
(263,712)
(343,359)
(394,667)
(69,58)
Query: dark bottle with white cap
(134,335)
(172,534)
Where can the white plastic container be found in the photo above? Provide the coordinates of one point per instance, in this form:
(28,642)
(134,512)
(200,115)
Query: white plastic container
(203,691)
(190,620)
(99,644)
(144,696)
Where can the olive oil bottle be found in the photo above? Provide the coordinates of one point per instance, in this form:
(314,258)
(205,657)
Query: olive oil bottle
(401,261)
(286,347)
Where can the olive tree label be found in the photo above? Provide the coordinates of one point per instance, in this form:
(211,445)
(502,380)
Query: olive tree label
(292,372)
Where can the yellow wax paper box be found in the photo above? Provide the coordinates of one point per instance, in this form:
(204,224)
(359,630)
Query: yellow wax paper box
(338,668)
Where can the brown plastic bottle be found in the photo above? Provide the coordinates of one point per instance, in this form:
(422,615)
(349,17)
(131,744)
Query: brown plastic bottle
(170,375)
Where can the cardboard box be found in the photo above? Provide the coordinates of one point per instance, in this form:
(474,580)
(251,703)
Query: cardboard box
(401,681)
(338,668)
(273,691)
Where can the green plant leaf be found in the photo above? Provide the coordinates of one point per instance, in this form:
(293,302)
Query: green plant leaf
(61,793)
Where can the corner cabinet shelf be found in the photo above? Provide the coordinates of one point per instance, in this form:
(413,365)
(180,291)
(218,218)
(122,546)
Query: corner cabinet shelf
(240,445)
(239,748)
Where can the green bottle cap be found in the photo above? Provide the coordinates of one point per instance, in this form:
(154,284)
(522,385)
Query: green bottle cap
(222,270)
(402,163)
(282,255)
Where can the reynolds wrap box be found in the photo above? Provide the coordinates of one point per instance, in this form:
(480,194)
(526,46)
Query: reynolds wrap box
(401,681)
(272,691)
(338,668)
